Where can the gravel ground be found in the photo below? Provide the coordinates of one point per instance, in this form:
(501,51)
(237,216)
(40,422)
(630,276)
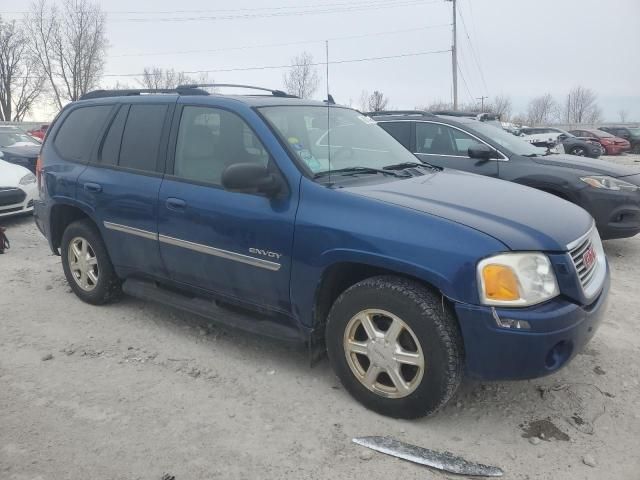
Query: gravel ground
(135,391)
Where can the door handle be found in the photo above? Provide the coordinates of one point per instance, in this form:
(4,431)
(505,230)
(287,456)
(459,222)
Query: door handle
(93,187)
(176,204)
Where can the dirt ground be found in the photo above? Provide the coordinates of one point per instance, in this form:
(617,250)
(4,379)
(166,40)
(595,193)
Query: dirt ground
(136,391)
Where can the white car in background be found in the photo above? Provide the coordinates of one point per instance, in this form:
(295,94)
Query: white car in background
(18,189)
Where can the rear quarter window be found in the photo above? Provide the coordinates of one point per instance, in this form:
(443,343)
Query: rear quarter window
(79,131)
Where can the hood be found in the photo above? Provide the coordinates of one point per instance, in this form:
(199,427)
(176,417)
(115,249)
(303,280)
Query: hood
(29,151)
(11,174)
(591,165)
(520,217)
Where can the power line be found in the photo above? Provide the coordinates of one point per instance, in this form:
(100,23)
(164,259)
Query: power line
(229,10)
(285,44)
(294,11)
(464,82)
(473,52)
(273,67)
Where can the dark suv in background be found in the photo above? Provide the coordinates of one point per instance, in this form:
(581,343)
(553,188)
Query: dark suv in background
(610,192)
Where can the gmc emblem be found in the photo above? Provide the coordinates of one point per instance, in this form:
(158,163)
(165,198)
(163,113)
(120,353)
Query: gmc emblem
(589,257)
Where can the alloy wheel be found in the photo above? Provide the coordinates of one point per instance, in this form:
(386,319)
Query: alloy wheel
(83,264)
(383,353)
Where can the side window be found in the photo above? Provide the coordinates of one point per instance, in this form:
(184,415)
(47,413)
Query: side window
(211,139)
(401,131)
(463,141)
(142,136)
(77,135)
(438,139)
(111,146)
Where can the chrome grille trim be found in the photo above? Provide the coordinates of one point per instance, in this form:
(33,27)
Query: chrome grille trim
(592,278)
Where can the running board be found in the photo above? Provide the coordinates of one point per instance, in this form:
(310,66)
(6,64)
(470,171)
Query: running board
(279,327)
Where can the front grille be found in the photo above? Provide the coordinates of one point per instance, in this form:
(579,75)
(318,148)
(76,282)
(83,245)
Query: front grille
(11,196)
(577,255)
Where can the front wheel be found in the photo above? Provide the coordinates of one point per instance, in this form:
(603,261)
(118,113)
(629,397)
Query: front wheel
(395,347)
(87,265)
(580,151)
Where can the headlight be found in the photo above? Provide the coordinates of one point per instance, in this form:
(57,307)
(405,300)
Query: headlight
(27,179)
(609,183)
(516,279)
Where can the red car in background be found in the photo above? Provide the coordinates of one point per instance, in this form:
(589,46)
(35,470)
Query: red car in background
(39,132)
(611,144)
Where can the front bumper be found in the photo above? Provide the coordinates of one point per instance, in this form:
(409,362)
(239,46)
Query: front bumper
(617,213)
(559,330)
(25,205)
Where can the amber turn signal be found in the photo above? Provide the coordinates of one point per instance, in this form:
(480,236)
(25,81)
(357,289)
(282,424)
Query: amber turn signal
(500,283)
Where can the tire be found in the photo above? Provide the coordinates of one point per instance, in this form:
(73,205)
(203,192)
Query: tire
(579,151)
(103,285)
(429,331)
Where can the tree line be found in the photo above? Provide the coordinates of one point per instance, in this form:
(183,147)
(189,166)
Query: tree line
(58,52)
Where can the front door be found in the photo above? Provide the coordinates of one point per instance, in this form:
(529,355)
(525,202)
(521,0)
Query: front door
(446,146)
(237,245)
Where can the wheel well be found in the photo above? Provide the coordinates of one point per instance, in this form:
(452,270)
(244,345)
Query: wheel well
(61,217)
(340,277)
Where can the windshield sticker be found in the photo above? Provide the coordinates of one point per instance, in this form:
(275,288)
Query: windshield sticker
(367,120)
(304,154)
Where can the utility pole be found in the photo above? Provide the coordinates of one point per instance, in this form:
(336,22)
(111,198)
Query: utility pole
(454,57)
(482,102)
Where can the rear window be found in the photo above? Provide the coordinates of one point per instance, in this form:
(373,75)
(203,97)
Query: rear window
(77,135)
(141,138)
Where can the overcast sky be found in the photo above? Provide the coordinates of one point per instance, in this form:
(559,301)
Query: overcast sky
(522,48)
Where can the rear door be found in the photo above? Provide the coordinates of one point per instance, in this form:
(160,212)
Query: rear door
(122,182)
(234,244)
(446,146)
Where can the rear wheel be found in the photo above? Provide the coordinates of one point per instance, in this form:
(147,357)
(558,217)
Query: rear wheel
(87,265)
(394,347)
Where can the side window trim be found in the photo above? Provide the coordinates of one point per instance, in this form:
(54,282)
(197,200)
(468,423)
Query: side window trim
(503,159)
(97,156)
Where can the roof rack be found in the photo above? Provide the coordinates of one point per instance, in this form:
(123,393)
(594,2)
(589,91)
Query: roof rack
(420,113)
(275,93)
(482,116)
(139,91)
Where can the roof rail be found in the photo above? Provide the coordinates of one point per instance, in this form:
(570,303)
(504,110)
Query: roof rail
(275,93)
(140,91)
(420,113)
(482,116)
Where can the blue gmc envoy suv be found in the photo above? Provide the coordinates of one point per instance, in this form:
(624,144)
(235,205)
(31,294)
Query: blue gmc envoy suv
(307,221)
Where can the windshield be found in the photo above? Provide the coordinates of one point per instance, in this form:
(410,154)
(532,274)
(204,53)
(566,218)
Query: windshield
(505,139)
(16,138)
(355,140)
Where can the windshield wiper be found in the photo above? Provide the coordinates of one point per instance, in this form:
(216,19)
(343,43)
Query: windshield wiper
(404,165)
(355,170)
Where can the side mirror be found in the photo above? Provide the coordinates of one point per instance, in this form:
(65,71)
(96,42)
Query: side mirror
(482,152)
(250,178)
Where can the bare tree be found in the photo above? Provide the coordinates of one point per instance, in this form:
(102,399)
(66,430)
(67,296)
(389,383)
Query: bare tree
(302,78)
(542,110)
(377,101)
(501,105)
(623,114)
(21,80)
(582,107)
(363,101)
(156,78)
(70,43)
